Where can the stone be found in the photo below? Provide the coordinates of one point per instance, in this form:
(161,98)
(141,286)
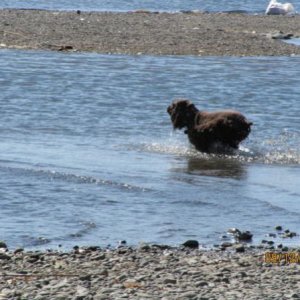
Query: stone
(201,284)
(226,244)
(289,234)
(100,256)
(4,256)
(244,236)
(188,295)
(278,227)
(239,248)
(193,244)
(18,250)
(3,245)
(131,283)
(169,281)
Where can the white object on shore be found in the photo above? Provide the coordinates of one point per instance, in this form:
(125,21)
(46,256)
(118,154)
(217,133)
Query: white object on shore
(277,8)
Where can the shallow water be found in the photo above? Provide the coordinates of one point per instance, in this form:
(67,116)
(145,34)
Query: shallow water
(294,41)
(250,6)
(88,155)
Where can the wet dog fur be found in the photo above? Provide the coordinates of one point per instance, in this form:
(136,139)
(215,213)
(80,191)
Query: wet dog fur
(209,131)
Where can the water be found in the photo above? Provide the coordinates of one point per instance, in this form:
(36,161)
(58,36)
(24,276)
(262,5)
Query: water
(294,41)
(88,155)
(249,6)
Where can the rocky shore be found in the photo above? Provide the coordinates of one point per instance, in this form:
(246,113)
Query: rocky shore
(147,272)
(142,32)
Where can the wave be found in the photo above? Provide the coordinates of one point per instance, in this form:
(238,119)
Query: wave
(65,176)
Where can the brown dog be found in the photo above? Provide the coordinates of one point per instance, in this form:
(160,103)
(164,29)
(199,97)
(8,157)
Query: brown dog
(208,131)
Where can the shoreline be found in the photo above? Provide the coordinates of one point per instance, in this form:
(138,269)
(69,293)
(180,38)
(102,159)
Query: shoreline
(146,272)
(142,32)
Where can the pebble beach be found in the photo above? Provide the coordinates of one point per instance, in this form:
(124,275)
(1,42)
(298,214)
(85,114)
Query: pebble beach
(146,272)
(150,33)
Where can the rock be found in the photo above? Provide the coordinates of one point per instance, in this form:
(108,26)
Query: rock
(65,48)
(233,230)
(289,234)
(169,281)
(81,293)
(239,248)
(131,283)
(201,284)
(122,277)
(144,247)
(278,227)
(3,245)
(4,256)
(101,256)
(279,35)
(18,250)
(85,277)
(122,243)
(93,248)
(193,244)
(243,236)
(188,295)
(226,244)
(162,247)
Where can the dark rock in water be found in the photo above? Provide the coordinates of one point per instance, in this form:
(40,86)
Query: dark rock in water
(193,244)
(3,245)
(273,235)
(243,236)
(270,243)
(280,246)
(279,228)
(78,12)
(289,234)
(264,241)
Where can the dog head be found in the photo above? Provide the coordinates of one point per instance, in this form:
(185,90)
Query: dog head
(182,113)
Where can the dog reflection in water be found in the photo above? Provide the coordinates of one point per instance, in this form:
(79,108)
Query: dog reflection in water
(209,132)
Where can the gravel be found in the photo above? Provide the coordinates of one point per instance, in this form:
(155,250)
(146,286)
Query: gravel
(175,273)
(194,33)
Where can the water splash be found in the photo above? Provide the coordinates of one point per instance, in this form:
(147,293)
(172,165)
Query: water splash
(281,149)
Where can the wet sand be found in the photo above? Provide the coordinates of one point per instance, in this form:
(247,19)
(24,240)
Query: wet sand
(230,34)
